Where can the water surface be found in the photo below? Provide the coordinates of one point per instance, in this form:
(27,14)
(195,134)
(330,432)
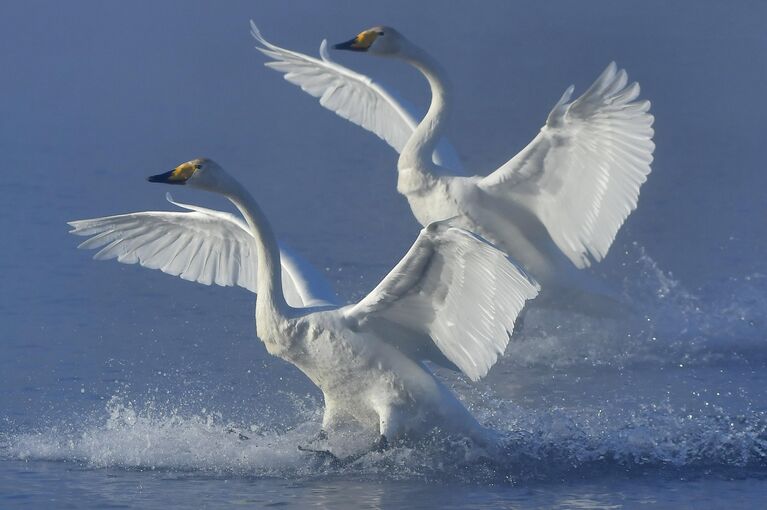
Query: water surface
(120,384)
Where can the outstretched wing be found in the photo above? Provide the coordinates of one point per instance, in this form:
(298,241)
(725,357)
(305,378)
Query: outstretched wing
(201,245)
(353,96)
(453,290)
(581,175)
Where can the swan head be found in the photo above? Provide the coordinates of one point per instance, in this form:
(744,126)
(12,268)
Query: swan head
(202,173)
(381,40)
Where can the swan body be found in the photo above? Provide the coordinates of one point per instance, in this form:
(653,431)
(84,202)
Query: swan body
(555,207)
(366,380)
(452,300)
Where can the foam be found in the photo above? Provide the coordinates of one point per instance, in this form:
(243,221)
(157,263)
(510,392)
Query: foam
(538,444)
(670,324)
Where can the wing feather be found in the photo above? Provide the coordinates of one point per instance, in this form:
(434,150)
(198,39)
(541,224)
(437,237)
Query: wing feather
(581,175)
(352,96)
(200,245)
(457,292)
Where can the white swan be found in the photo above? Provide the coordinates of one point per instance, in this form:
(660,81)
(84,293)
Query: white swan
(451,300)
(555,207)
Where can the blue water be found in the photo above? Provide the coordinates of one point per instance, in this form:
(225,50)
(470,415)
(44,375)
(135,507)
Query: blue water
(119,384)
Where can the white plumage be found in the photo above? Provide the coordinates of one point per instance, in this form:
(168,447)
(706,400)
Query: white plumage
(353,96)
(452,300)
(453,288)
(201,245)
(583,171)
(555,207)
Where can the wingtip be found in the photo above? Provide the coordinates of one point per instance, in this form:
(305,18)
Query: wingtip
(566,96)
(557,112)
(76,226)
(324,54)
(606,77)
(646,105)
(256,33)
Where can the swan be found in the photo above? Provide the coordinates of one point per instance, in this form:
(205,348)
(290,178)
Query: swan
(555,207)
(451,300)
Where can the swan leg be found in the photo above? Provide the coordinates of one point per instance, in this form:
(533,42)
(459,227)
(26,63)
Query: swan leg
(319,437)
(322,454)
(332,417)
(390,425)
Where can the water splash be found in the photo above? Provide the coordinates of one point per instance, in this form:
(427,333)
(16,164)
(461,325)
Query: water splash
(535,445)
(722,321)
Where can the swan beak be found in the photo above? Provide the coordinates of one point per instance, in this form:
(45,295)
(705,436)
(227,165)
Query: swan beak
(350,45)
(362,42)
(178,175)
(166,178)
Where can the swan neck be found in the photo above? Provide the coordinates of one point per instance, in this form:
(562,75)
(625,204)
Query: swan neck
(422,143)
(271,298)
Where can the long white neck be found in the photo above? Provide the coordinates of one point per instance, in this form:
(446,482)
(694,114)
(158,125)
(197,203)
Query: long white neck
(418,151)
(270,300)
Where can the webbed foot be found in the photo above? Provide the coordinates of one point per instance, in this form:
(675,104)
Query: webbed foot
(325,455)
(328,456)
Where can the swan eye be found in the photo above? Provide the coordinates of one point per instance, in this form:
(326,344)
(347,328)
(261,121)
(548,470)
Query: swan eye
(380,33)
(197,167)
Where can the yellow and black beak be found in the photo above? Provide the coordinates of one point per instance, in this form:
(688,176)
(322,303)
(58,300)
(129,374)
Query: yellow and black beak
(178,175)
(360,43)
